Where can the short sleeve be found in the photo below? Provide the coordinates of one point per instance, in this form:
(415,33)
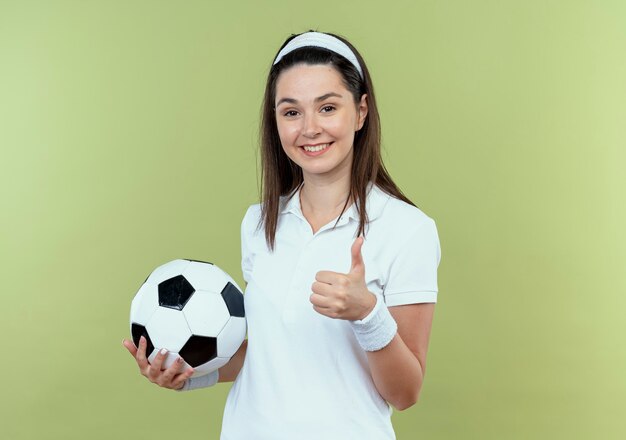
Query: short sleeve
(413,272)
(246,253)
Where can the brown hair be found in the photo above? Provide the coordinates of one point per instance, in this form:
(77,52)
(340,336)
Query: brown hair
(280,176)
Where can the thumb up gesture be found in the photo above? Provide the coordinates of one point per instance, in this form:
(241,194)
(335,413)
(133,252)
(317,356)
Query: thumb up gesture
(344,295)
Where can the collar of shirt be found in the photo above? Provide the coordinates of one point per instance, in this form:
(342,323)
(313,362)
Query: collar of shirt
(376,200)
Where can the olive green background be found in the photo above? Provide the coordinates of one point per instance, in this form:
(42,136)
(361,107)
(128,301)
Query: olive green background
(128,138)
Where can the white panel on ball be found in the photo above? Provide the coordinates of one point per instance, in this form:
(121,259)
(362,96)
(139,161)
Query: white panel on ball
(205,276)
(144,304)
(231,336)
(168,328)
(197,313)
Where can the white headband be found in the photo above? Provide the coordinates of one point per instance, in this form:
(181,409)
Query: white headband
(319,39)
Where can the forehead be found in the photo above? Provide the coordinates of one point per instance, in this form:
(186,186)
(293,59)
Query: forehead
(309,81)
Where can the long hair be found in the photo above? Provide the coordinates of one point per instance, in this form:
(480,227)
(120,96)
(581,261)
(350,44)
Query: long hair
(280,176)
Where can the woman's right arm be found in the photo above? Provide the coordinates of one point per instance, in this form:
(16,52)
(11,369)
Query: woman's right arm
(230,371)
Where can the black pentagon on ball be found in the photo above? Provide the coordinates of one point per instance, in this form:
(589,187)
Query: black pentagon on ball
(234,300)
(137,331)
(175,292)
(199,350)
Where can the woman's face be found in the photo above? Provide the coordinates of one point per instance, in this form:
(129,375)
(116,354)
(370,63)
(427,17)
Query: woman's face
(315,109)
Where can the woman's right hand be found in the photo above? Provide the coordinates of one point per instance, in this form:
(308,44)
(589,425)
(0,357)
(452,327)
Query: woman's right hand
(170,378)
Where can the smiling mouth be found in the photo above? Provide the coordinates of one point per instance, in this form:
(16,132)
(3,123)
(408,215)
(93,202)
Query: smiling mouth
(318,147)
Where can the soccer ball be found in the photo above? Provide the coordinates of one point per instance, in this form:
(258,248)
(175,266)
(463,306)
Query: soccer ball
(193,309)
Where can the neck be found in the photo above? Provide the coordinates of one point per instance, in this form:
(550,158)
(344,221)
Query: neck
(323,198)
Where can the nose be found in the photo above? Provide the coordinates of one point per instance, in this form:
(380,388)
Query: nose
(310,126)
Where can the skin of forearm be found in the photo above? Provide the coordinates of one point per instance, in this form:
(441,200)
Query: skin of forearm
(397,373)
(230,371)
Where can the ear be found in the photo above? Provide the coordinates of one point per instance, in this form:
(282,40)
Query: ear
(362,109)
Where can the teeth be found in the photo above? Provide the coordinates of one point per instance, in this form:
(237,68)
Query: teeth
(317,148)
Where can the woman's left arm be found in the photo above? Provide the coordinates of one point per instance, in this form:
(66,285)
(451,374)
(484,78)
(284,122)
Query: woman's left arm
(398,368)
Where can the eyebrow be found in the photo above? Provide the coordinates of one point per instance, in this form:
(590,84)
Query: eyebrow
(319,98)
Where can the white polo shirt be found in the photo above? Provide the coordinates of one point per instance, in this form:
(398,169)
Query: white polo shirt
(305,375)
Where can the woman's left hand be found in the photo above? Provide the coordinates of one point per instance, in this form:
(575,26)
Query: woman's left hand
(344,296)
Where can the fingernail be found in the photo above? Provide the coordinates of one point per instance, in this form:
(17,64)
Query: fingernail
(179,360)
(142,339)
(163,351)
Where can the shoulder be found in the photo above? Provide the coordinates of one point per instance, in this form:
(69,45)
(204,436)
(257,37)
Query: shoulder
(253,211)
(251,218)
(399,215)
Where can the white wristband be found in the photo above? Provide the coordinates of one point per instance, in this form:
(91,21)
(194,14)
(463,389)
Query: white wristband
(377,329)
(204,381)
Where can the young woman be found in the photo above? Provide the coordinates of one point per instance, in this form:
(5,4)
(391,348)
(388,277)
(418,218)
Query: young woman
(340,267)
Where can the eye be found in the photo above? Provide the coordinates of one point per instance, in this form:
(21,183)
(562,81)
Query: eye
(328,108)
(290,113)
